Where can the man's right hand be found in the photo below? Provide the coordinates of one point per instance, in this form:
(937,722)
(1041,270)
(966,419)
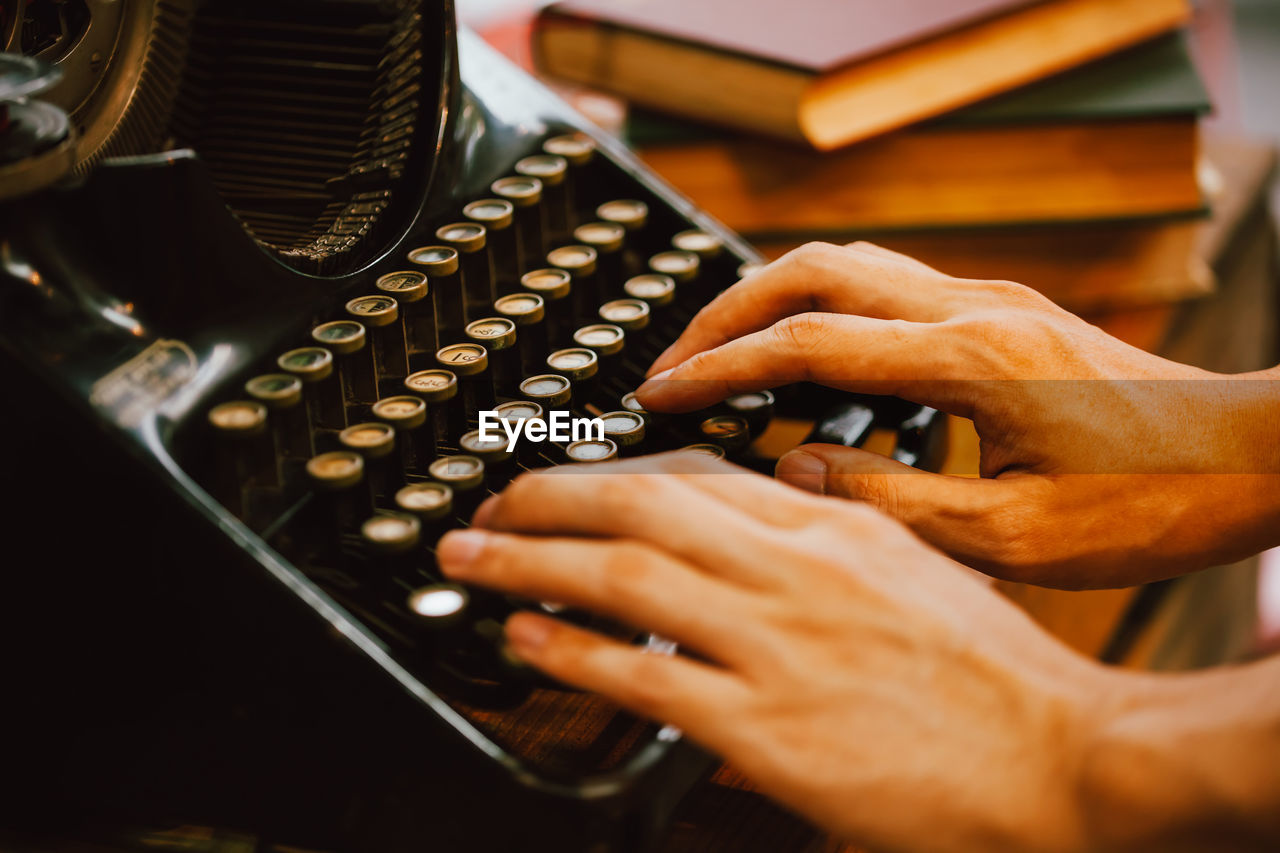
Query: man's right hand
(1101,464)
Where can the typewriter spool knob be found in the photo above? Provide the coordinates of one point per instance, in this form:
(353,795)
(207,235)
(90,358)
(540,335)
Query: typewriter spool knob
(37,143)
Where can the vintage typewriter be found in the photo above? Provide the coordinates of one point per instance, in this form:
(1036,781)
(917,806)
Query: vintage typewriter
(262,264)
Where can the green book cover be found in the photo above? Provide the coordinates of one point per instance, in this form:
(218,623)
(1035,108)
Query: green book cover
(1149,81)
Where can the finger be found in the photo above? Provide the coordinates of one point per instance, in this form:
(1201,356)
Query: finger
(696,697)
(891,255)
(653,508)
(815,277)
(976,521)
(628,581)
(909,360)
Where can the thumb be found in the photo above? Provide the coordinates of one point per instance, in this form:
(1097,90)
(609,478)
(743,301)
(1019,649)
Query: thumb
(977,521)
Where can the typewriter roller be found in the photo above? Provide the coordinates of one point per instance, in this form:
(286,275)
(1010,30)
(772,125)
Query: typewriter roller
(266,294)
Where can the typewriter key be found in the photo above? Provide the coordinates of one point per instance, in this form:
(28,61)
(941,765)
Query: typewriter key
(631,404)
(470,239)
(579,150)
(554,287)
(715,451)
(625,429)
(438,389)
(322,388)
(727,432)
(449,305)
(548,390)
(465,476)
(591,450)
(580,366)
(631,214)
(630,315)
(342,500)
(520,412)
(431,503)
(655,289)
(552,170)
(680,265)
(392,540)
(470,363)
(606,238)
(417,312)
(606,341)
(498,336)
(376,443)
(580,263)
(528,312)
(525,194)
(407,414)
(756,408)
(381,316)
(706,246)
(245,452)
(347,340)
(439,607)
(497,215)
(282,394)
(492,451)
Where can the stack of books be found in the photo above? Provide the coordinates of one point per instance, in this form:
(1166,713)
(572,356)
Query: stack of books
(1053,142)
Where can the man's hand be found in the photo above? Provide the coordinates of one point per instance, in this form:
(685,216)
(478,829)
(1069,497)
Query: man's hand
(854,673)
(1102,464)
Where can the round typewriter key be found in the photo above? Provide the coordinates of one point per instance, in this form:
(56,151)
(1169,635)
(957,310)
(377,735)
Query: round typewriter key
(528,312)
(552,170)
(580,263)
(680,265)
(470,361)
(631,214)
(578,364)
(655,289)
(525,195)
(346,338)
(701,243)
(448,302)
(554,286)
(245,453)
(376,442)
(498,216)
(548,390)
(607,239)
(630,315)
(431,502)
(756,408)
(476,261)
(729,432)
(438,388)
(417,313)
(498,336)
(465,476)
(631,404)
(604,339)
(381,314)
(715,451)
(625,429)
(342,501)
(439,607)
(519,412)
(392,540)
(492,451)
(408,416)
(326,401)
(591,450)
(282,394)
(577,148)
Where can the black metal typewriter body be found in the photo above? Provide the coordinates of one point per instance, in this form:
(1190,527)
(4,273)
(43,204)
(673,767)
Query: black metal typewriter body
(203,628)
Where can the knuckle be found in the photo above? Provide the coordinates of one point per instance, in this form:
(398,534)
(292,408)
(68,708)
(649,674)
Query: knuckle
(814,255)
(626,573)
(802,333)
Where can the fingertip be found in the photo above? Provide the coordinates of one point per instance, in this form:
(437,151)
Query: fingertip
(527,633)
(803,470)
(485,511)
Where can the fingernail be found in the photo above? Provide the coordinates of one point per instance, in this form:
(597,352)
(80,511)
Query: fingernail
(483,511)
(458,549)
(526,634)
(652,383)
(659,360)
(804,470)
